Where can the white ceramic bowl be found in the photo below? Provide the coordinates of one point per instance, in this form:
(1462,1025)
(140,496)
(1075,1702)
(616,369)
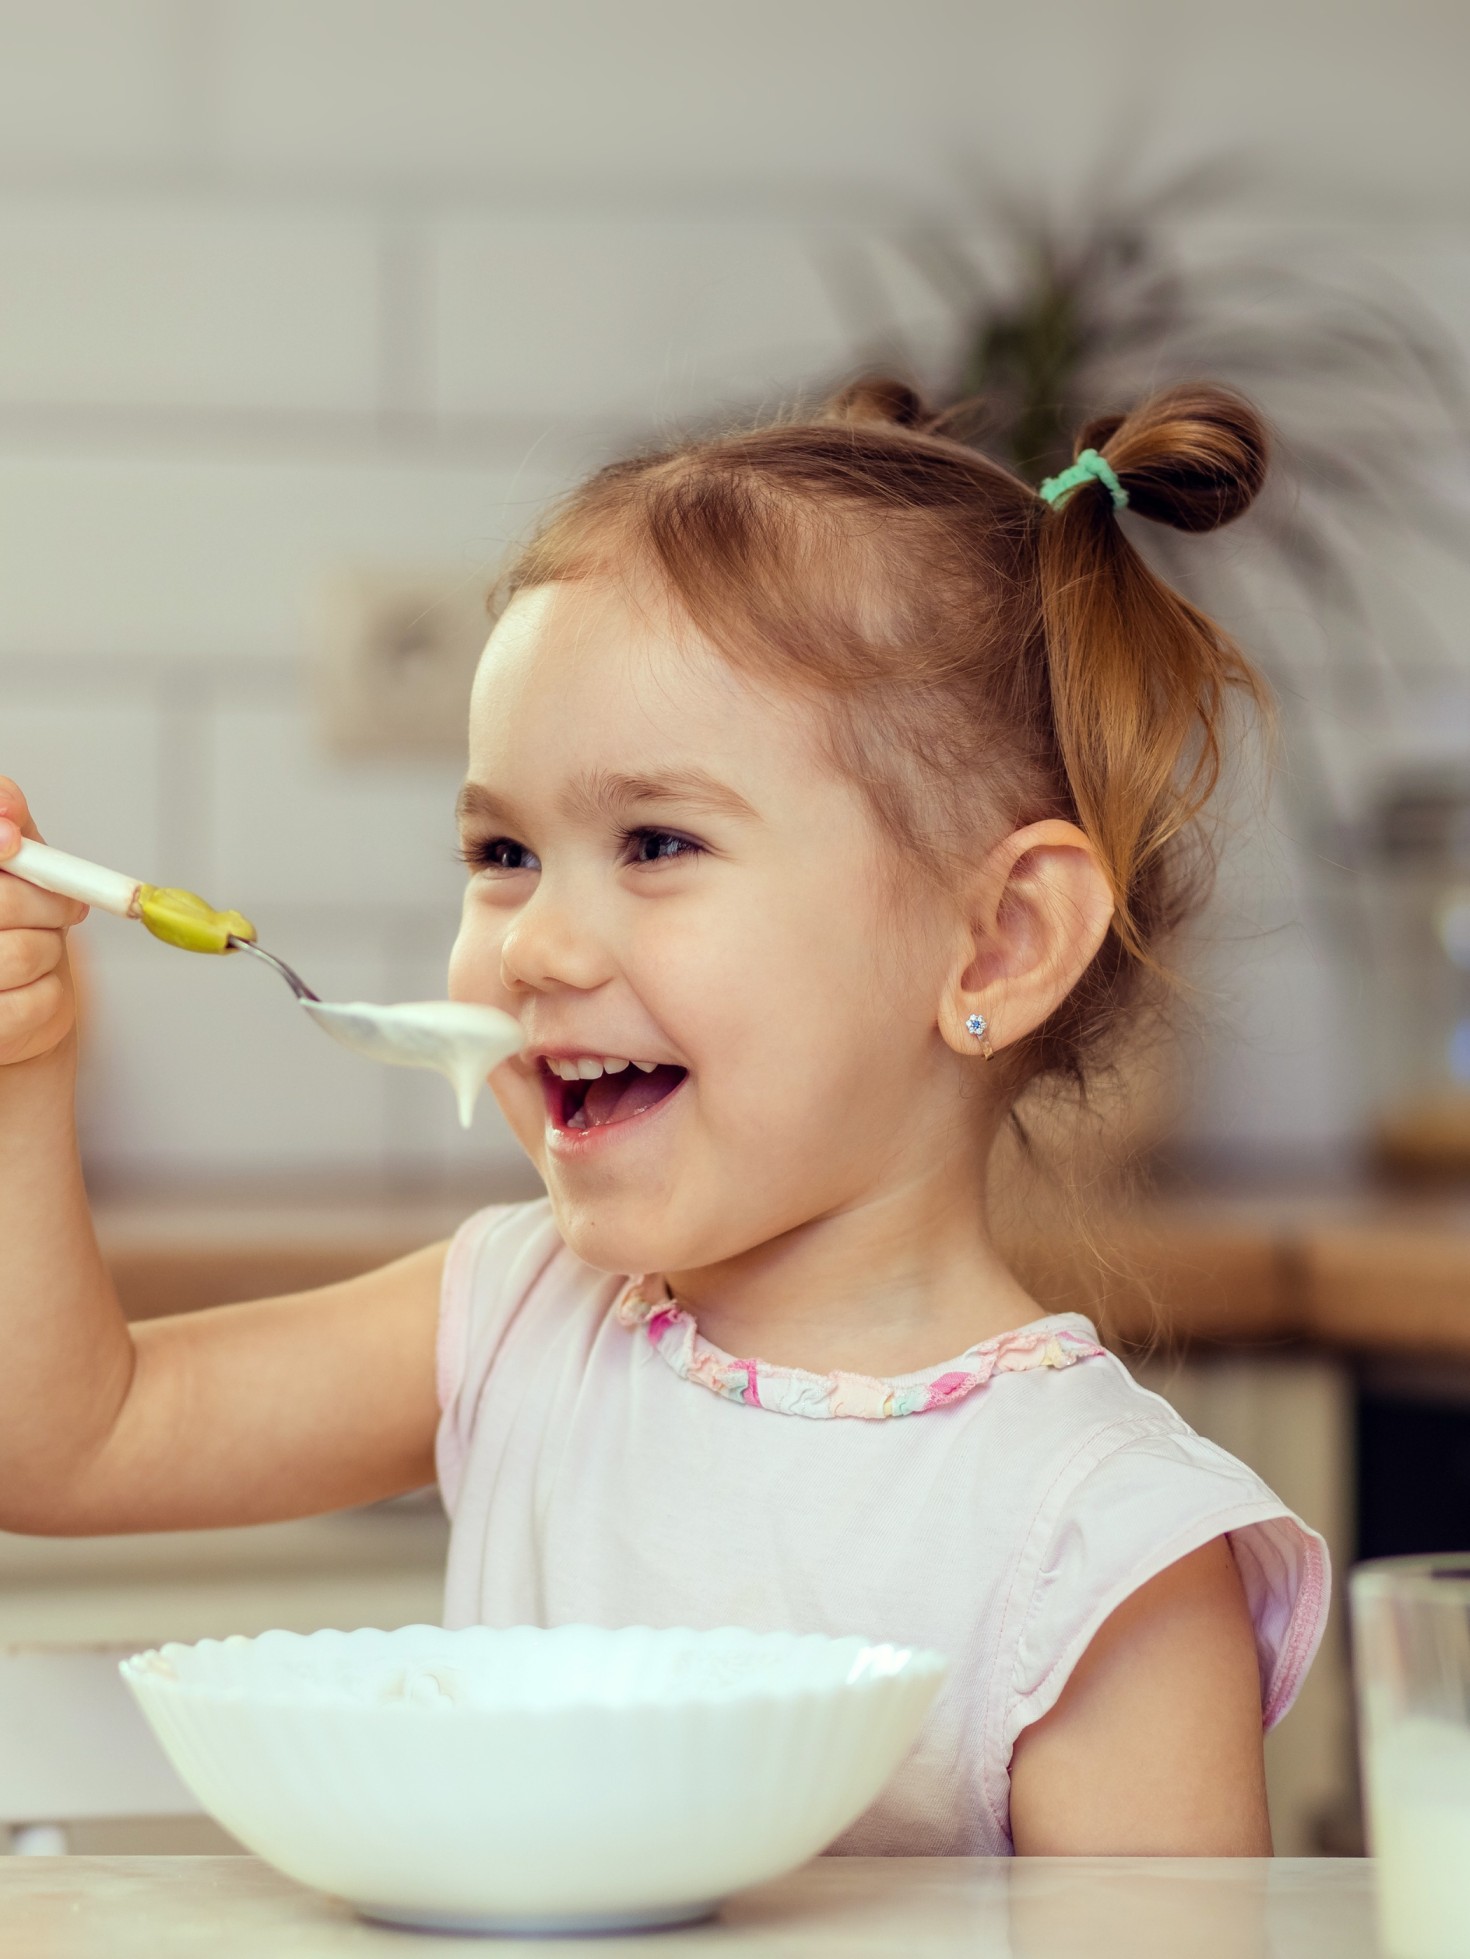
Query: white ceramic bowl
(576,1779)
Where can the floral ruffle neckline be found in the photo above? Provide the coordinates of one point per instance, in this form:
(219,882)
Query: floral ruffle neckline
(674,1336)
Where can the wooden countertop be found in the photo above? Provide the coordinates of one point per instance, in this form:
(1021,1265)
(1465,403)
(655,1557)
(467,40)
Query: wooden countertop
(1022,1908)
(1356,1267)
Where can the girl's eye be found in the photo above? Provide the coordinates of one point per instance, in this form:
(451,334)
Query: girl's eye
(655,846)
(497,854)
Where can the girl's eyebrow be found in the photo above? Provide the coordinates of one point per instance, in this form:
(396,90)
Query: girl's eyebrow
(474,799)
(608,793)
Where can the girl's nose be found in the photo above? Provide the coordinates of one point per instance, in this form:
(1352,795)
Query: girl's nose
(548,946)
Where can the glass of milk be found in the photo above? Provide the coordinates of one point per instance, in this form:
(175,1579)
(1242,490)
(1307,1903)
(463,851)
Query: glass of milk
(1411,1659)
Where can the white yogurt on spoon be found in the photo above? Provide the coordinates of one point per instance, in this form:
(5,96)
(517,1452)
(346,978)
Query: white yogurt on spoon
(458,1039)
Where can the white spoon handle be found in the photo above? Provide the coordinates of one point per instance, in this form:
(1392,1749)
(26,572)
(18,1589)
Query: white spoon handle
(74,877)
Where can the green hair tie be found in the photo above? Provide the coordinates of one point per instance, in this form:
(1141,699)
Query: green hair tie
(1089,467)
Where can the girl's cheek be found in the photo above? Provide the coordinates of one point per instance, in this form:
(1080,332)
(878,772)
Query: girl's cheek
(474,962)
(525,1112)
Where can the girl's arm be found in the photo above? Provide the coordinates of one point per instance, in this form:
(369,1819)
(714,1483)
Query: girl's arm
(240,1414)
(277,1409)
(1154,1748)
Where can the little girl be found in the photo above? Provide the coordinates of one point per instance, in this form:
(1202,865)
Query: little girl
(828,789)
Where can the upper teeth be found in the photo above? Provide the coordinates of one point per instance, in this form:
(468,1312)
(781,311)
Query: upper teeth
(587,1067)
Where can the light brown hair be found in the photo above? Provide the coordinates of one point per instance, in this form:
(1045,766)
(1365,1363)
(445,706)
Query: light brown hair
(985,660)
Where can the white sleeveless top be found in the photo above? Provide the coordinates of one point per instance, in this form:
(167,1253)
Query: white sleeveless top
(602,1464)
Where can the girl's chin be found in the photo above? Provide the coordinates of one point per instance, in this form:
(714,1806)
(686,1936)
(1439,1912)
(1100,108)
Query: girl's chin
(620,1236)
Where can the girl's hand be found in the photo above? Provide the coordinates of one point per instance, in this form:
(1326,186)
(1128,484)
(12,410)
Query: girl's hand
(37,999)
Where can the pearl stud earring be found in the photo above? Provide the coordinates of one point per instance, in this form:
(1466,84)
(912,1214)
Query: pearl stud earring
(979,1026)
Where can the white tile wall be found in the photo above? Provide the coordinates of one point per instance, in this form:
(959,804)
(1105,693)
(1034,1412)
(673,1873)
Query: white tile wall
(198,1065)
(91,81)
(92,773)
(564,315)
(188,301)
(669,98)
(194,556)
(864,104)
(290,828)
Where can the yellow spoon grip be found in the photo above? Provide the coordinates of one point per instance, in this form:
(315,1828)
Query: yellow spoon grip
(181,918)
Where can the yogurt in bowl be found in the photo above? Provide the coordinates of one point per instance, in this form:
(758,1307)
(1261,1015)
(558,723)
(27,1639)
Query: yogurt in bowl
(576,1779)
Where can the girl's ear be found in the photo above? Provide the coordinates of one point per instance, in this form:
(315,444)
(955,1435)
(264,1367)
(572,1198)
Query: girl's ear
(1036,913)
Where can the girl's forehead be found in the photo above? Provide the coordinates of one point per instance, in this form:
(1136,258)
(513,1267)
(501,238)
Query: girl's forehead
(584,687)
(588,702)
(600,666)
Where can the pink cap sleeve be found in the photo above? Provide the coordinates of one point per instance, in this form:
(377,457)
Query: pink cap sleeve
(1150,1500)
(486,1273)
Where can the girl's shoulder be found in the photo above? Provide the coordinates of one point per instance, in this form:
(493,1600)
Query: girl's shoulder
(496,1260)
(507,1269)
(498,1243)
(1120,1488)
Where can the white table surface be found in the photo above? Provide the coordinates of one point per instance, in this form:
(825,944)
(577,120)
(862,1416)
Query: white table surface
(1029,1908)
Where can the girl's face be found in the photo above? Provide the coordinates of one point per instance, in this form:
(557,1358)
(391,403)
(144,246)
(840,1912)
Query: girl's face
(665,871)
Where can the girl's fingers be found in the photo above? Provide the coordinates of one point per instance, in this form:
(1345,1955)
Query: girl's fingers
(15,810)
(33,1018)
(23,904)
(36,1005)
(28,955)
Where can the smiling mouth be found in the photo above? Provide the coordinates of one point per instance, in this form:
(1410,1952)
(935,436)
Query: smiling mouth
(580,1105)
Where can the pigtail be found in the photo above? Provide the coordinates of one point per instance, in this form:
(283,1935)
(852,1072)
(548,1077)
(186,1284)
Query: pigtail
(1141,679)
(879,400)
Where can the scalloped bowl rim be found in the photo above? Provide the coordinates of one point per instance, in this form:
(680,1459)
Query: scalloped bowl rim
(311,1775)
(913,1663)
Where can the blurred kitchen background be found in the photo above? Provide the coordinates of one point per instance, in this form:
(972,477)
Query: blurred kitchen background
(306,309)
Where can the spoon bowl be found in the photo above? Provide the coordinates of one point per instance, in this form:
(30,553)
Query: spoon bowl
(454,1037)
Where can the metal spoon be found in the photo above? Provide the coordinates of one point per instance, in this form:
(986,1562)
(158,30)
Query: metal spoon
(459,1040)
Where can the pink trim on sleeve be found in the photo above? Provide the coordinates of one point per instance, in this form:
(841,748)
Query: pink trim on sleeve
(1307,1623)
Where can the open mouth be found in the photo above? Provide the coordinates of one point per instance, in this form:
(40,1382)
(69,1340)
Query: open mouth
(611,1097)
